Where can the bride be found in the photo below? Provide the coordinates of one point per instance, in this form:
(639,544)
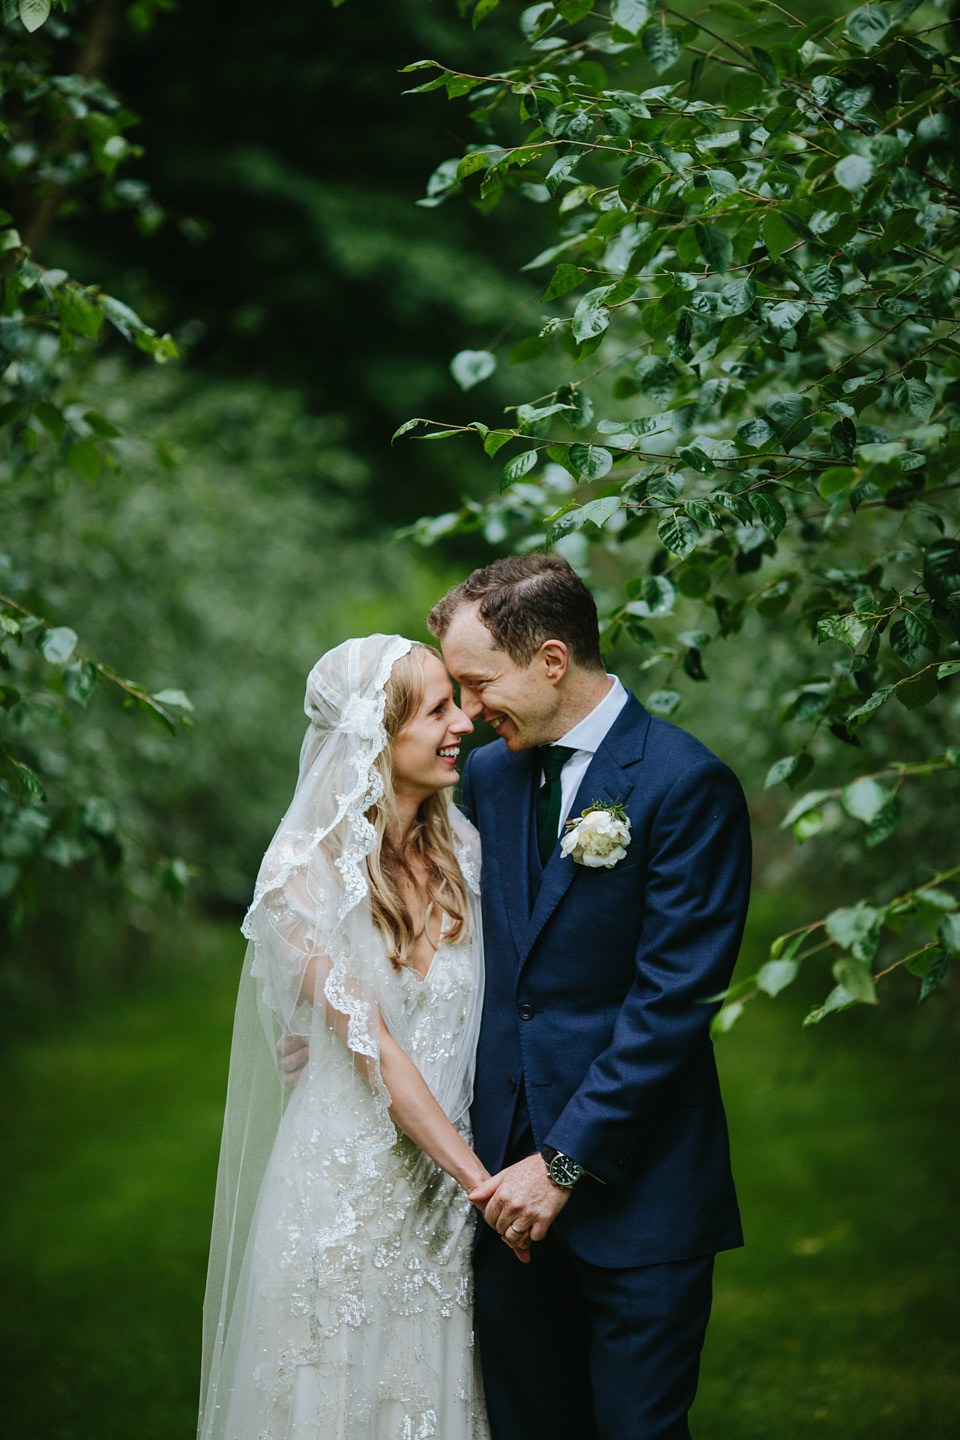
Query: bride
(338,1301)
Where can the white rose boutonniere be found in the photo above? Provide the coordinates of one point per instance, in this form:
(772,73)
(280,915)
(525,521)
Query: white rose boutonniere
(599,838)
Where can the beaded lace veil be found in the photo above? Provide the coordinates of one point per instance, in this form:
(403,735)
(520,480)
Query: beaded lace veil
(311,910)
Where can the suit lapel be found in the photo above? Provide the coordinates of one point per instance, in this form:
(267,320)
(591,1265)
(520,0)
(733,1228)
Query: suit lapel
(607,778)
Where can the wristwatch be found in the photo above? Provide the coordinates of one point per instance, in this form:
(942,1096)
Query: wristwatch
(562,1169)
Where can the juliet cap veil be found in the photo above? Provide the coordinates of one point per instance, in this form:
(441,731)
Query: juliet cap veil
(311,905)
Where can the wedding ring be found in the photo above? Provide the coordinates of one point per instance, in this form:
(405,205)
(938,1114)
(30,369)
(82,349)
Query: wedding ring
(516,1227)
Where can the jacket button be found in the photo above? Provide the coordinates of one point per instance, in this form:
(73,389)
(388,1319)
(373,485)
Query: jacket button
(512,1085)
(525,1011)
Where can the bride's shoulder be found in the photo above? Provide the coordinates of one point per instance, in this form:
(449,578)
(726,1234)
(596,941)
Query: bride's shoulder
(467,844)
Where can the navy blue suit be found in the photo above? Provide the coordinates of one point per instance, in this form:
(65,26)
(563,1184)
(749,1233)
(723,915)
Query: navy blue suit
(595,1040)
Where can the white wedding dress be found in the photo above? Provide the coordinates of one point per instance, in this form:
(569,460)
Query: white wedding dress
(339,1292)
(369,1337)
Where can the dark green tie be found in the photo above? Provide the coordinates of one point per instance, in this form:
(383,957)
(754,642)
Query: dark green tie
(549,797)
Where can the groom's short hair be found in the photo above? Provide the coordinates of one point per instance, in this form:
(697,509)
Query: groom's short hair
(524,600)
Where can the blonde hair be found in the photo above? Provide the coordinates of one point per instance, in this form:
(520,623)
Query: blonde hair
(430,839)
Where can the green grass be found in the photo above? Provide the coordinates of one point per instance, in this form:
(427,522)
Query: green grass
(838,1320)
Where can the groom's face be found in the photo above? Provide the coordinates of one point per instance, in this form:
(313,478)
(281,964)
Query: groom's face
(520,702)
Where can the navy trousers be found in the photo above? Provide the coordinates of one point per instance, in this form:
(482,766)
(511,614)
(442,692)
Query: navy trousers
(573,1351)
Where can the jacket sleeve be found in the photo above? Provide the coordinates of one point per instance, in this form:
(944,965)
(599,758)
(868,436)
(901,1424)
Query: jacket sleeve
(696,888)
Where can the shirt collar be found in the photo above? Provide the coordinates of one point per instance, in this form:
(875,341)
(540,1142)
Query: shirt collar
(590,732)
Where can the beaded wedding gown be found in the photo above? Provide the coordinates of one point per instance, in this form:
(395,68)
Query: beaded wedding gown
(339,1294)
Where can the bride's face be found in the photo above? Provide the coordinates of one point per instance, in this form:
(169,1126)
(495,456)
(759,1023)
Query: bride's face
(426,750)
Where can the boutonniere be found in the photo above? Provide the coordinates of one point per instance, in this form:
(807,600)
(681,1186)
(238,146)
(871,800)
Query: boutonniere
(600,837)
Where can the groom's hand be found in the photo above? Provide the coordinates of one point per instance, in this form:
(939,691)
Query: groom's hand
(521,1203)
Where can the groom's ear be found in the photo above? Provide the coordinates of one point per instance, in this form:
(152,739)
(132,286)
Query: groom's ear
(555,658)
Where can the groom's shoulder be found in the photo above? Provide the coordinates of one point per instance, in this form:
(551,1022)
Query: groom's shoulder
(664,745)
(489,760)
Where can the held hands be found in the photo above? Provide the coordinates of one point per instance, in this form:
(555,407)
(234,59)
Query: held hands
(521,1203)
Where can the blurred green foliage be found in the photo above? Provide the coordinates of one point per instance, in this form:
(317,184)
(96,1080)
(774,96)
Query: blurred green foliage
(752,415)
(214,529)
(209,527)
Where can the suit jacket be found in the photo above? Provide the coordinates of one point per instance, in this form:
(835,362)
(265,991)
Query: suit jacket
(595,987)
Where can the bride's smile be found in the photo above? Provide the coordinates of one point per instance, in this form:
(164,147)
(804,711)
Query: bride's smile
(426,750)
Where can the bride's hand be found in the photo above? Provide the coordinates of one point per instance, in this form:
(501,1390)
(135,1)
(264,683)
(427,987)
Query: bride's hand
(293,1052)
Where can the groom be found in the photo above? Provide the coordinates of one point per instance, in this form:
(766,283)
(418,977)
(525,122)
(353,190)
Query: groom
(597,1107)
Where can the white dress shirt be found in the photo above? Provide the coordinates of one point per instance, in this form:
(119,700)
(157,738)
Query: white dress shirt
(585,738)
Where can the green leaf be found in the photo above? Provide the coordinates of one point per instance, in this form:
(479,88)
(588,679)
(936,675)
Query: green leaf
(591,316)
(590,461)
(784,410)
(776,975)
(918,690)
(574,10)
(565,277)
(79,681)
(850,926)
(865,798)
(494,440)
(808,825)
(716,247)
(657,597)
(630,15)
(856,979)
(936,131)
(519,466)
(934,973)
(50,418)
(173,699)
(872,703)
(949,933)
(722,182)
(868,26)
(58,644)
(754,433)
(736,297)
(845,629)
(835,480)
(33,13)
(84,459)
(772,515)
(662,46)
(915,399)
(638,183)
(812,800)
(725,1019)
(853,172)
(78,312)
(941,568)
(484,7)
(29,781)
(791,768)
(469,367)
(662,702)
(471,163)
(678,533)
(743,90)
(596,512)
(407,425)
(559,171)
(838,999)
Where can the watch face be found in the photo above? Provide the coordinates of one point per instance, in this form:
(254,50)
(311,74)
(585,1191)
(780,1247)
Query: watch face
(564,1171)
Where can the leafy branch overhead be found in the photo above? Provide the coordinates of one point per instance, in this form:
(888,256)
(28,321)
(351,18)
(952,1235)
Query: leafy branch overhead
(65,145)
(748,366)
